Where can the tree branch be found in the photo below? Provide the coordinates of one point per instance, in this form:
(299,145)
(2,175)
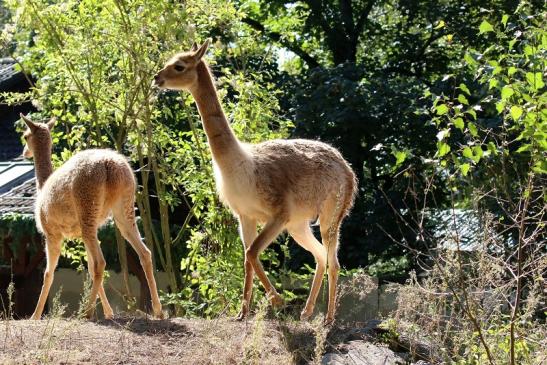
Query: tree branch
(346,14)
(362,19)
(316,7)
(277,37)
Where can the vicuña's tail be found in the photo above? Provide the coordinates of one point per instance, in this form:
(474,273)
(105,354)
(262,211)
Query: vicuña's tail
(345,198)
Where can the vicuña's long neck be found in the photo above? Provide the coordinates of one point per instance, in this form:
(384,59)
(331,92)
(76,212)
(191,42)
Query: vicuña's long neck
(42,166)
(225,147)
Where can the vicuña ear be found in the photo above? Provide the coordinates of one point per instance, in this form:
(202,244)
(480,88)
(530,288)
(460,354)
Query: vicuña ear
(194,47)
(201,51)
(51,123)
(28,122)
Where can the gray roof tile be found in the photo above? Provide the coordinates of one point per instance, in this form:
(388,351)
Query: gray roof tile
(20,199)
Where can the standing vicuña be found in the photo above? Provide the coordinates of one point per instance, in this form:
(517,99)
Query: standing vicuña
(283,184)
(75,200)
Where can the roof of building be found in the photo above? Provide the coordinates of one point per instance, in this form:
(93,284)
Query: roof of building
(11,80)
(458,229)
(17,183)
(20,199)
(9,74)
(13,173)
(10,143)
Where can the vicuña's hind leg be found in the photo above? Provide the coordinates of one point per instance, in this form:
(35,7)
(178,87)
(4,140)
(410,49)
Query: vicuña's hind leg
(304,237)
(96,266)
(124,215)
(330,231)
(247,231)
(53,251)
(107,309)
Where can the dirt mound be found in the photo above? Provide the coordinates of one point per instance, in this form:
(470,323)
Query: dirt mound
(128,340)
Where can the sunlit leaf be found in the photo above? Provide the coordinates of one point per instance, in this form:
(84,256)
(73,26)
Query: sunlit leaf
(442,148)
(500,106)
(462,99)
(472,129)
(458,123)
(506,92)
(477,153)
(540,167)
(485,27)
(516,112)
(464,88)
(465,168)
(467,152)
(473,113)
(440,24)
(441,109)
(535,79)
(400,157)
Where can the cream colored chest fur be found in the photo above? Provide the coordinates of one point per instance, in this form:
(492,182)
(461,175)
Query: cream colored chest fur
(237,189)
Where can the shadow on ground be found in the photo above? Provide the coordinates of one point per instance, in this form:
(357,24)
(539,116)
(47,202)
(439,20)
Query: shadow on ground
(146,326)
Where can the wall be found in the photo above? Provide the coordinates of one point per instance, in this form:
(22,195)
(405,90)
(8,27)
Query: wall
(353,308)
(70,284)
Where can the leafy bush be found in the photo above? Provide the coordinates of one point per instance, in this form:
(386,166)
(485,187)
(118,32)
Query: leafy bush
(487,305)
(94,62)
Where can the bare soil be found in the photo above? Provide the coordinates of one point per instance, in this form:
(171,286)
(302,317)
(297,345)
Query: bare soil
(127,340)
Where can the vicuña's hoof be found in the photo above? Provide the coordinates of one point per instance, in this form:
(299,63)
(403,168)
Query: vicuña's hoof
(108,315)
(90,314)
(277,301)
(241,316)
(306,314)
(328,321)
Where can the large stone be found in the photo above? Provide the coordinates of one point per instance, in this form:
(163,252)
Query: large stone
(362,353)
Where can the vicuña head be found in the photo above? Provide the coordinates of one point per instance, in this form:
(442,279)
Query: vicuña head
(37,135)
(180,72)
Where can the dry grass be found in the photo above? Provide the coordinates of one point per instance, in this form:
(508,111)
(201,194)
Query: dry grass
(143,341)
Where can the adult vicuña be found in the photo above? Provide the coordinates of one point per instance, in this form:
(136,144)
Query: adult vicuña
(75,200)
(283,184)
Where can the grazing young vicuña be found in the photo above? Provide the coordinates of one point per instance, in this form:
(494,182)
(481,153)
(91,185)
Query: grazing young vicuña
(75,200)
(282,184)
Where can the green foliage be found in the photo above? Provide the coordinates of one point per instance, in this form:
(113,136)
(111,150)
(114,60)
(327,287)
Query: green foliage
(507,125)
(492,150)
(18,227)
(94,62)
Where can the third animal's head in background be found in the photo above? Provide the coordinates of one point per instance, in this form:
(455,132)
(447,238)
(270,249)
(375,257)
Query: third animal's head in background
(37,135)
(180,72)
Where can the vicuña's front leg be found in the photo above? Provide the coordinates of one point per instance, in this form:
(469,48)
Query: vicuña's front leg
(53,251)
(270,231)
(247,232)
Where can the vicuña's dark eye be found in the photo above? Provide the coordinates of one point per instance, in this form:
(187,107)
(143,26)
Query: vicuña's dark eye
(179,68)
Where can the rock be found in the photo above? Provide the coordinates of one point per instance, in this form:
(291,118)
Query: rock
(362,353)
(368,332)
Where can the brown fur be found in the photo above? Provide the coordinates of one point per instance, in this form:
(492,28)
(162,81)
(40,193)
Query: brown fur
(75,200)
(283,184)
